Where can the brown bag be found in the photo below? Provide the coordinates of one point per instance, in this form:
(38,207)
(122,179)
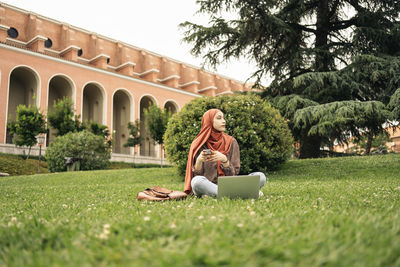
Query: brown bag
(157,193)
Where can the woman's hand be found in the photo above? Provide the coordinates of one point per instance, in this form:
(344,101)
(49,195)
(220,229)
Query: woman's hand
(216,156)
(201,157)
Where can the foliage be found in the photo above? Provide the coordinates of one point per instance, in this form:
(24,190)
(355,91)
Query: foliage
(263,136)
(378,145)
(331,122)
(62,117)
(134,134)
(353,116)
(92,150)
(340,120)
(373,77)
(29,122)
(156,122)
(394,105)
(309,146)
(335,211)
(135,137)
(17,165)
(287,39)
(367,78)
(325,51)
(288,105)
(99,130)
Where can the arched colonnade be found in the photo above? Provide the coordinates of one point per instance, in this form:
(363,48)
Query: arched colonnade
(24,88)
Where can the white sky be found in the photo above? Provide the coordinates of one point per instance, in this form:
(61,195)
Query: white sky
(148,24)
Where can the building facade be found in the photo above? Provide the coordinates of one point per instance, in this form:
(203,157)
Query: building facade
(110,82)
(392,146)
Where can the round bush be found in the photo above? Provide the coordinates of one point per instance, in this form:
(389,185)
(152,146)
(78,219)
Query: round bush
(263,136)
(92,149)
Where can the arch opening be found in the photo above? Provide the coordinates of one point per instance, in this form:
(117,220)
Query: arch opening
(147,146)
(92,107)
(59,87)
(121,117)
(170,106)
(23,90)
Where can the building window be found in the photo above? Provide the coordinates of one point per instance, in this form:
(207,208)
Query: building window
(48,43)
(80,52)
(12,32)
(108,60)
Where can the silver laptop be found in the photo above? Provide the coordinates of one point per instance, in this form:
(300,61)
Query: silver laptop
(241,186)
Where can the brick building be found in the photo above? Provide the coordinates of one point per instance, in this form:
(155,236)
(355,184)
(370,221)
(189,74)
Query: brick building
(392,146)
(110,82)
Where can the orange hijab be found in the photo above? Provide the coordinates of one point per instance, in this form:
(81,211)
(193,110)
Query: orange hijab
(215,140)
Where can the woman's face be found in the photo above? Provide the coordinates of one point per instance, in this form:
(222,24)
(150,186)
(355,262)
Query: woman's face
(219,123)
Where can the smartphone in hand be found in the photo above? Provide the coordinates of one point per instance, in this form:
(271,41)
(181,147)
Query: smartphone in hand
(207,151)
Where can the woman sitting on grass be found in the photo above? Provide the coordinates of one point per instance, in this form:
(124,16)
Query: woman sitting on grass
(212,154)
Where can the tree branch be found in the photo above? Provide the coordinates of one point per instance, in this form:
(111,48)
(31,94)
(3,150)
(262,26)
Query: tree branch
(301,27)
(340,25)
(334,8)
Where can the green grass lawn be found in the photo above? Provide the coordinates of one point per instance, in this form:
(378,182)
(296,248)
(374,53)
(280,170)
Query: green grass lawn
(335,212)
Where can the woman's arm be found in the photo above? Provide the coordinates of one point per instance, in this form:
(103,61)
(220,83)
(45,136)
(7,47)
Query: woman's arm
(199,162)
(232,166)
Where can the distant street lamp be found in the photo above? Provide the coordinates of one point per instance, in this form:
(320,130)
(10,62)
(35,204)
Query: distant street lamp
(40,140)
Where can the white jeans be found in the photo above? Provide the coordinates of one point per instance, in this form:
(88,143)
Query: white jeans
(202,186)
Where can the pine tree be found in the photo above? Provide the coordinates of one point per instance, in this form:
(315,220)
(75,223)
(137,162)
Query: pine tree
(394,105)
(368,77)
(287,39)
(325,51)
(340,120)
(288,105)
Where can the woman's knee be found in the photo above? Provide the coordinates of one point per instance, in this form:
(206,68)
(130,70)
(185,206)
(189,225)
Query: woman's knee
(197,182)
(202,186)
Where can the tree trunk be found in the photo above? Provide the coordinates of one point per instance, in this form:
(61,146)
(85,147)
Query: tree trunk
(322,56)
(29,152)
(134,155)
(162,154)
(369,143)
(310,146)
(331,145)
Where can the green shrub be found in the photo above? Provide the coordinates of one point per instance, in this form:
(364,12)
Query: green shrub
(29,122)
(263,136)
(92,149)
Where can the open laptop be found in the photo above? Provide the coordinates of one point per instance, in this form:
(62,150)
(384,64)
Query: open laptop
(241,186)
